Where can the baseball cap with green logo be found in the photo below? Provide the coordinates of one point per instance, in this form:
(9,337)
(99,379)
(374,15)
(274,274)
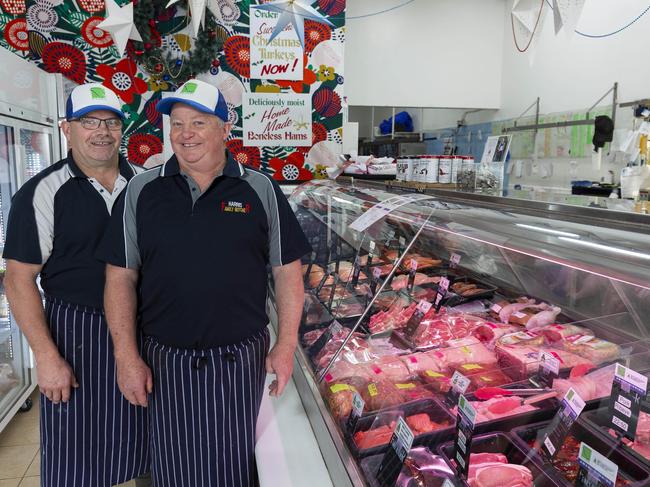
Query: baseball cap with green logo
(198,94)
(90,97)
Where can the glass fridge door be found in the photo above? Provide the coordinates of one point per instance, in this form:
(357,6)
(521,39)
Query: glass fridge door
(35,149)
(15,371)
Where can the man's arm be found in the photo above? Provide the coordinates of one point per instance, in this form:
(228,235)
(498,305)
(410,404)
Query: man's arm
(120,303)
(55,376)
(290,297)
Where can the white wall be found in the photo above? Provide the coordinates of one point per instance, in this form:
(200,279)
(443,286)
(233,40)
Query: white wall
(571,74)
(431,53)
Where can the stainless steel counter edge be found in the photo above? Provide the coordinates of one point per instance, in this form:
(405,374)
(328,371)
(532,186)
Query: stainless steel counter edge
(341,465)
(633,222)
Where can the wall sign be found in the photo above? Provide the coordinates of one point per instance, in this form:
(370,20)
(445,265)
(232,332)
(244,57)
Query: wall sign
(277,119)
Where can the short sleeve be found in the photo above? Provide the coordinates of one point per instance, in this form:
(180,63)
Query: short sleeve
(119,245)
(287,241)
(30,226)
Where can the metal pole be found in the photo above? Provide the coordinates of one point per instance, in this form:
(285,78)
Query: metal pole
(614,103)
(392,129)
(372,125)
(421,124)
(374,298)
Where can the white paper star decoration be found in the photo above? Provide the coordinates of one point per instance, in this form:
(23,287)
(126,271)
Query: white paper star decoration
(197,9)
(293,12)
(119,24)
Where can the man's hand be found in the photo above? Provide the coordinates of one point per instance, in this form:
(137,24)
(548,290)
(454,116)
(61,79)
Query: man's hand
(55,377)
(280,362)
(134,380)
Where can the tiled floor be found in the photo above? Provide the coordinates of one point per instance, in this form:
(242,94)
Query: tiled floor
(19,453)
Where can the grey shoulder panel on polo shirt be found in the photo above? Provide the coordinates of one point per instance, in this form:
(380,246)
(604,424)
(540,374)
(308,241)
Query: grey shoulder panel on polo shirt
(134,188)
(43,202)
(263,187)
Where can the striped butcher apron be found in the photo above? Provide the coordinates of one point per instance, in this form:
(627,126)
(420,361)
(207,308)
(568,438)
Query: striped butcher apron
(97,439)
(203,412)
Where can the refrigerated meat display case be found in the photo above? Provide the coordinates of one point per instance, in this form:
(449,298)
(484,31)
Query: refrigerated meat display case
(407,292)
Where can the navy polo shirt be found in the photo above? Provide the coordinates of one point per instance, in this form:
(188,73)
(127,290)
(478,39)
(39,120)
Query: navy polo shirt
(202,257)
(57,219)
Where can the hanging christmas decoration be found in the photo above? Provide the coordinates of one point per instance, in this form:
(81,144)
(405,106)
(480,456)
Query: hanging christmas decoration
(190,57)
(197,12)
(293,12)
(119,24)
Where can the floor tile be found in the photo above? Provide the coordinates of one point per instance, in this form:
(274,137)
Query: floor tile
(130,483)
(35,467)
(9,482)
(30,482)
(23,429)
(15,460)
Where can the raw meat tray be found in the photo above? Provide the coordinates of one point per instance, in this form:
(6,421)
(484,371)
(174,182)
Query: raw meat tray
(499,442)
(597,421)
(436,411)
(629,468)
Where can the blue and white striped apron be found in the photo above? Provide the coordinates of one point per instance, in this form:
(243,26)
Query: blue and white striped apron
(97,439)
(203,412)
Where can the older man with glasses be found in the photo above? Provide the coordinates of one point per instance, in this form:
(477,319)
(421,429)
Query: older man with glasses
(90,434)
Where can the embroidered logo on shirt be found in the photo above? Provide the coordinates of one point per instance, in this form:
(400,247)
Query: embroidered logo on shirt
(235,207)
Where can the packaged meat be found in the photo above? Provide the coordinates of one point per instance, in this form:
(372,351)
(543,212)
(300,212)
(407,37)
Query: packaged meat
(641,443)
(338,395)
(348,308)
(439,382)
(543,318)
(521,338)
(315,276)
(391,368)
(520,361)
(423,262)
(493,470)
(437,329)
(594,349)
(419,362)
(489,333)
(396,317)
(594,385)
(345,271)
(499,407)
(567,360)
(464,350)
(356,350)
(483,376)
(380,394)
(506,310)
(342,369)
(558,333)
(400,282)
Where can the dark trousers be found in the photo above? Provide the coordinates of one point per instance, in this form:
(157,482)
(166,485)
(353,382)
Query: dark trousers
(97,439)
(203,412)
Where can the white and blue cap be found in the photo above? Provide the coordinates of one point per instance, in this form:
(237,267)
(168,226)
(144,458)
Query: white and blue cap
(90,97)
(200,95)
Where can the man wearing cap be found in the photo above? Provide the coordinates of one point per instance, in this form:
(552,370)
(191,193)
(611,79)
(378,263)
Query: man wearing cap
(188,254)
(90,434)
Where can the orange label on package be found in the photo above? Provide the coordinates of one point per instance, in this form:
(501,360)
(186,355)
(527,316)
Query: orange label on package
(342,387)
(405,386)
(471,367)
(372,389)
(431,373)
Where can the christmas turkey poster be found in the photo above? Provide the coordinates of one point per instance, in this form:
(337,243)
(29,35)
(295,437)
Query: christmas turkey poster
(272,119)
(280,58)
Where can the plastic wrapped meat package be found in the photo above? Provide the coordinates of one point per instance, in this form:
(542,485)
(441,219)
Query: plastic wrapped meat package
(594,385)
(338,395)
(396,317)
(437,381)
(483,376)
(559,333)
(420,362)
(391,368)
(520,361)
(499,407)
(400,282)
(641,443)
(438,329)
(489,332)
(593,349)
(421,468)
(464,350)
(494,470)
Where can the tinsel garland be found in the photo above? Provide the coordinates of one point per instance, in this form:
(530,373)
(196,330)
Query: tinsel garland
(174,68)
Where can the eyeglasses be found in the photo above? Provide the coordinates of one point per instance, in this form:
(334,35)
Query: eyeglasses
(92,123)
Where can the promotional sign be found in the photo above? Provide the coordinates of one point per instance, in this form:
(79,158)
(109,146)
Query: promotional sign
(496,148)
(277,119)
(282,58)
(391,464)
(558,430)
(465,420)
(380,210)
(595,469)
(628,389)
(443,287)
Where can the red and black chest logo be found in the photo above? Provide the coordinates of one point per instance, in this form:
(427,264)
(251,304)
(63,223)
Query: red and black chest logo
(235,207)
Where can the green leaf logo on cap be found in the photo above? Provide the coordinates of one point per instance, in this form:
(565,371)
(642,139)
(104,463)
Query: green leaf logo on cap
(97,93)
(189,88)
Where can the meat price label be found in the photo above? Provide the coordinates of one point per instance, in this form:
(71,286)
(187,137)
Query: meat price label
(413,269)
(628,390)
(595,469)
(356,412)
(443,287)
(380,210)
(398,449)
(558,430)
(459,385)
(454,260)
(422,309)
(356,271)
(465,420)
(549,368)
